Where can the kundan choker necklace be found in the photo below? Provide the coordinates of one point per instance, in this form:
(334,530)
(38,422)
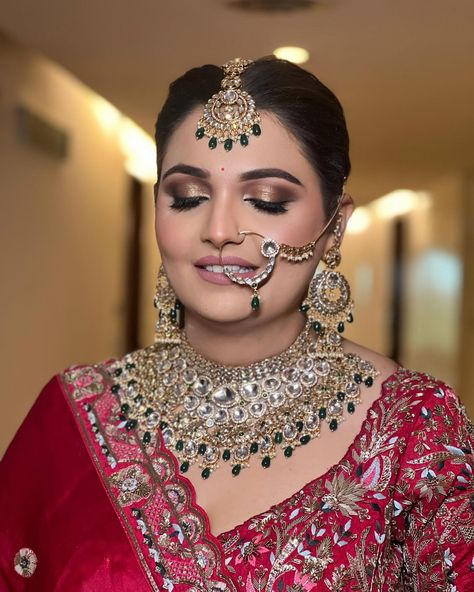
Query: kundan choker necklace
(215,415)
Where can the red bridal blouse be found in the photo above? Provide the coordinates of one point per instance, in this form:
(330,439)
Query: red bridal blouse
(86,505)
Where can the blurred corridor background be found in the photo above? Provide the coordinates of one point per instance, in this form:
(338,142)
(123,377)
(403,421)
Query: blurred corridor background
(80,88)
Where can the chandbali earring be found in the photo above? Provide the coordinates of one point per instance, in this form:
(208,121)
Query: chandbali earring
(328,304)
(170,311)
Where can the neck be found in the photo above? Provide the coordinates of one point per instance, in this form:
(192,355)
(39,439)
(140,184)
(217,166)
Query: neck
(243,343)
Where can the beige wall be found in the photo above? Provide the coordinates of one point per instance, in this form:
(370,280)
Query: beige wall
(365,260)
(438,241)
(63,228)
(466,349)
(432,302)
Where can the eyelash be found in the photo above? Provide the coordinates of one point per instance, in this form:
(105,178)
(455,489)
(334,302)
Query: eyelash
(187,203)
(269,207)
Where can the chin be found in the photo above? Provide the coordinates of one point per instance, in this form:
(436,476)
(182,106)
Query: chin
(225,310)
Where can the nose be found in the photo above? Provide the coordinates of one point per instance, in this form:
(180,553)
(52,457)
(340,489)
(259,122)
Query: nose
(221,225)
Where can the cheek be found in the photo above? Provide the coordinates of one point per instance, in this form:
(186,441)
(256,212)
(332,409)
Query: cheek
(171,231)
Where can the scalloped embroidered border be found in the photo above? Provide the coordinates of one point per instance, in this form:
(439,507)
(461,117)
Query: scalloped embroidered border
(95,412)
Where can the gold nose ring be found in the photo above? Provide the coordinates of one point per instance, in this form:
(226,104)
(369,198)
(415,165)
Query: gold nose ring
(269,248)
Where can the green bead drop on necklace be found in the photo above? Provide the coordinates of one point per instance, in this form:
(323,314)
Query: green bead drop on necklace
(236,470)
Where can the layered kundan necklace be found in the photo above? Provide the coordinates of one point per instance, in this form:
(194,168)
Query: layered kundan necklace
(217,415)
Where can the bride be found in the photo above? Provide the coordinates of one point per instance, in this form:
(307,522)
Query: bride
(251,447)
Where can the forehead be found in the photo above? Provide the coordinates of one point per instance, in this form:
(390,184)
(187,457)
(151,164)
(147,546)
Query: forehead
(274,148)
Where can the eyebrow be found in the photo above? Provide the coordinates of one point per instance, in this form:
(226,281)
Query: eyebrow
(267,173)
(186,169)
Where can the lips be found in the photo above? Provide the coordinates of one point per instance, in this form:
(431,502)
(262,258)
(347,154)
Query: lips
(213,260)
(210,268)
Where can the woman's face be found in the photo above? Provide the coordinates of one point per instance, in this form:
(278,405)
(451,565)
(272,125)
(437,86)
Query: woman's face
(205,197)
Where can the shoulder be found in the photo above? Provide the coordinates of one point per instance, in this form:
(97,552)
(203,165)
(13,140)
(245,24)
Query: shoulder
(435,438)
(89,380)
(420,388)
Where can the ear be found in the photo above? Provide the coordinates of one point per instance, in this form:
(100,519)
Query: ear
(345,211)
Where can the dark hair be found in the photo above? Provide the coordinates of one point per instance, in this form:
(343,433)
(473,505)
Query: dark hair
(301,102)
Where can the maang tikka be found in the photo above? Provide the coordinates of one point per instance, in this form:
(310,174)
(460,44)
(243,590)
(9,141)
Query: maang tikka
(230,115)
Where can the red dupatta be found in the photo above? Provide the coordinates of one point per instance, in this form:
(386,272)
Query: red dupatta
(127,520)
(169,534)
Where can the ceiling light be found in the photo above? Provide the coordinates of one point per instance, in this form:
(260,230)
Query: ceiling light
(297,55)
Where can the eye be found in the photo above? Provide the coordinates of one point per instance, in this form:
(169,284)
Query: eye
(186,203)
(270,207)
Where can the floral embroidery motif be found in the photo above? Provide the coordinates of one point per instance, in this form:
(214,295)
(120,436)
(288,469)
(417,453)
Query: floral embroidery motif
(132,484)
(85,380)
(25,562)
(395,514)
(377,519)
